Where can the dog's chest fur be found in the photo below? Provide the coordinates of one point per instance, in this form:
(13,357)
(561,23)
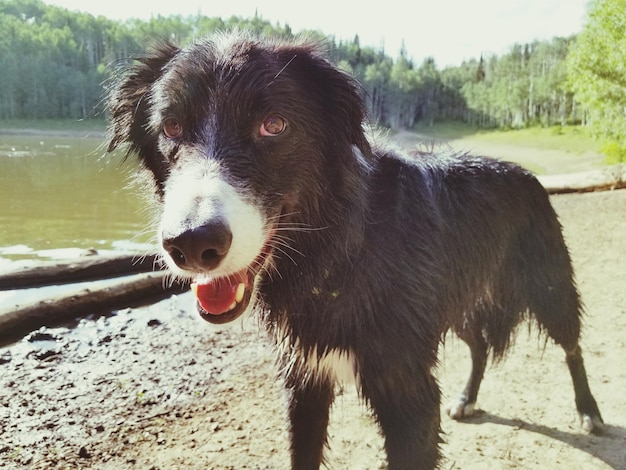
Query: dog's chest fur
(333,365)
(311,339)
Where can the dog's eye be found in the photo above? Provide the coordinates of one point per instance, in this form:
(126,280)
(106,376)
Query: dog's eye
(273,125)
(172,128)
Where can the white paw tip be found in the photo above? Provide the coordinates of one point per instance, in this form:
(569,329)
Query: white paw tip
(460,410)
(591,425)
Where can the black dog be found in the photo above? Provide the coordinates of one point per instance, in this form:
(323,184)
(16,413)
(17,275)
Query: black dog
(357,259)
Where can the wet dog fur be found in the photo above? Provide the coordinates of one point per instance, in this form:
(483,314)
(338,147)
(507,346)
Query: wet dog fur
(357,258)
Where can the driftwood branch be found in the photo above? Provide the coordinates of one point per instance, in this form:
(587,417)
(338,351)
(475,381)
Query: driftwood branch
(79,270)
(611,177)
(133,291)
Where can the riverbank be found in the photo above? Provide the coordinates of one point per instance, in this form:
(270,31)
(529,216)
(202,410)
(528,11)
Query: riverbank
(90,128)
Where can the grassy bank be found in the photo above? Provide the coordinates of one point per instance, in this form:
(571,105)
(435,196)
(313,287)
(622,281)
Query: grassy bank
(569,139)
(552,150)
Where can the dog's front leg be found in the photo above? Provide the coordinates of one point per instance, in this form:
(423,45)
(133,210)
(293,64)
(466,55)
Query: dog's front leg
(408,414)
(309,405)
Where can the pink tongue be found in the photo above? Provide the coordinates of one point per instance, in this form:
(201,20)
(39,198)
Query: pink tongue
(218,295)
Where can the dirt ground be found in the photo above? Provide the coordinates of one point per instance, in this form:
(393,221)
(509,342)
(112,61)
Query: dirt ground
(158,388)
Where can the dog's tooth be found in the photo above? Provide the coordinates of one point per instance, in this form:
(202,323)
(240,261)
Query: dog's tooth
(233,306)
(194,288)
(241,289)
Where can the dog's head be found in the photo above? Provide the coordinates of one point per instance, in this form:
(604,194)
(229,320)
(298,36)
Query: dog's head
(242,139)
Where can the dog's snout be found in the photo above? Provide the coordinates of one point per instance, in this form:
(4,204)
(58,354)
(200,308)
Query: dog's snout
(199,248)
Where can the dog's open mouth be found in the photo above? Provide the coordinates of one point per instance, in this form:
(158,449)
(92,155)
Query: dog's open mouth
(222,300)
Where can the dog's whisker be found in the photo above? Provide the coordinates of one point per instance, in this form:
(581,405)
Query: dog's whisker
(283,215)
(282,70)
(282,237)
(299,229)
(277,247)
(284,242)
(292,225)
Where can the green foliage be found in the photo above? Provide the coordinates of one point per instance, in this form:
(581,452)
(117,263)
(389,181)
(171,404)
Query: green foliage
(53,62)
(614,150)
(597,73)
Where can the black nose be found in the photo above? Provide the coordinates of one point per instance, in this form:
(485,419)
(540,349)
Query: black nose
(199,248)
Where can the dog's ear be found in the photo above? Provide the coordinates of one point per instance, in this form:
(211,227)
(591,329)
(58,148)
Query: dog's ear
(341,94)
(128,100)
(345,93)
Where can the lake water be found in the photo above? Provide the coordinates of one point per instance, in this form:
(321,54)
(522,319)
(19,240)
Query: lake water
(62,193)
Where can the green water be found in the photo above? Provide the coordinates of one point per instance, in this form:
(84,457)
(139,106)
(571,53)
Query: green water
(59,193)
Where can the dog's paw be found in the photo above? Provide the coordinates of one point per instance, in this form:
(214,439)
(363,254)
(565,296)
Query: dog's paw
(591,424)
(460,409)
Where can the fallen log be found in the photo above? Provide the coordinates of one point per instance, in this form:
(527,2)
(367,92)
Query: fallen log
(78,270)
(611,177)
(133,291)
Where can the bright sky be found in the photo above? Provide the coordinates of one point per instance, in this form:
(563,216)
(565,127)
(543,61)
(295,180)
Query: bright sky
(449,30)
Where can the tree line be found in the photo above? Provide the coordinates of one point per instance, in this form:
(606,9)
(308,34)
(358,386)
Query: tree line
(526,86)
(54,62)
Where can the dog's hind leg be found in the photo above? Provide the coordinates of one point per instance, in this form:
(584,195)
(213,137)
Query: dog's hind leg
(463,407)
(309,405)
(590,418)
(555,303)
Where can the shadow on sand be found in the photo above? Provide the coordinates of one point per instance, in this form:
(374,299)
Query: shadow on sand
(609,446)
